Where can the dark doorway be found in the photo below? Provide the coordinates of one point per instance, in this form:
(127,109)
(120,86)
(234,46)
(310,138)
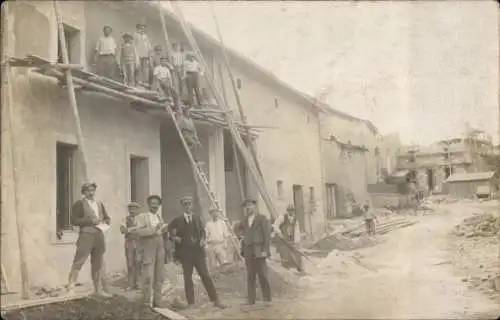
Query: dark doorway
(298,201)
(430,179)
(65,184)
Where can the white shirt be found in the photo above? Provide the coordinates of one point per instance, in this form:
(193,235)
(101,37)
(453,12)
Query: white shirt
(191,66)
(106,45)
(368,214)
(251,218)
(142,45)
(153,219)
(94,206)
(162,73)
(216,231)
(188,217)
(177,58)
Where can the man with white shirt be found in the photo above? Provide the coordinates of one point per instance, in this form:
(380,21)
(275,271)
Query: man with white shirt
(91,218)
(193,70)
(144,50)
(188,233)
(256,233)
(105,58)
(149,229)
(178,63)
(217,235)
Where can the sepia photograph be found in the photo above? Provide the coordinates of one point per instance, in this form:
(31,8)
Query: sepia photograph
(250,159)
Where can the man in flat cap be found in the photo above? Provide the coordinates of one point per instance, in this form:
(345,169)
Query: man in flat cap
(255,246)
(92,219)
(150,228)
(188,233)
(287,228)
(128,228)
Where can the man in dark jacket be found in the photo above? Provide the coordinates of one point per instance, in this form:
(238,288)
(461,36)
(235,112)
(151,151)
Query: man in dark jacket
(188,233)
(92,219)
(255,230)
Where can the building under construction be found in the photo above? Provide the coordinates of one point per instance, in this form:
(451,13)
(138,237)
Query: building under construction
(132,148)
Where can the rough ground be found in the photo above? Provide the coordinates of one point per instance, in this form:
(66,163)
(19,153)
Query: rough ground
(424,271)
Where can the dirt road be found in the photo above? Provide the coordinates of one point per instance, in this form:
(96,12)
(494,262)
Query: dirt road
(413,279)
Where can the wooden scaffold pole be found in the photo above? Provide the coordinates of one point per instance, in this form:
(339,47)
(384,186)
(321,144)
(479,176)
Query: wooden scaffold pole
(71,88)
(7,95)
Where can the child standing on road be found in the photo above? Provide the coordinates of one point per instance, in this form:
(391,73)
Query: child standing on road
(370,219)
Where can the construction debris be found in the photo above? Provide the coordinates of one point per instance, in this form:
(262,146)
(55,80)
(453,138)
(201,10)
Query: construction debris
(483,225)
(86,309)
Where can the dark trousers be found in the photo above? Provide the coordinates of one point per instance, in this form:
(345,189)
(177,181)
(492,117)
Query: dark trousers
(193,87)
(198,262)
(106,66)
(133,262)
(89,244)
(257,267)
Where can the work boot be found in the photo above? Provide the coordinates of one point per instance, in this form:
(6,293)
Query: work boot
(219,305)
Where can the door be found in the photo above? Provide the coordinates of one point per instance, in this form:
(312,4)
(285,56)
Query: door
(331,200)
(298,201)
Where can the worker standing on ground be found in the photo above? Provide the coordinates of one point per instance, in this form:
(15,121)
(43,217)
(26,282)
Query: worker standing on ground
(189,236)
(150,228)
(255,246)
(370,219)
(92,219)
(217,236)
(287,227)
(105,56)
(144,51)
(128,229)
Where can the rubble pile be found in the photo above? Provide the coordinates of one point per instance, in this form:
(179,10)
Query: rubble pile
(483,225)
(86,309)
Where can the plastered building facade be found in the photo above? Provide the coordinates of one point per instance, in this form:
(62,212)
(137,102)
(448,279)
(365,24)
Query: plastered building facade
(131,154)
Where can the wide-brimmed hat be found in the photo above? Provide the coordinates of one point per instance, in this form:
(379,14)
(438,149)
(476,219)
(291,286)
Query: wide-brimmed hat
(133,205)
(127,35)
(143,24)
(186,199)
(87,185)
(154,196)
(248,201)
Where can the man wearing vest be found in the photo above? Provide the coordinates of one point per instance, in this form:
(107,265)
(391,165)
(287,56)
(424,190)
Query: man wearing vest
(288,227)
(255,244)
(92,219)
(150,229)
(188,233)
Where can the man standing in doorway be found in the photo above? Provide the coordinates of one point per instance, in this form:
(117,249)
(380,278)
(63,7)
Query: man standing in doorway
(287,227)
(149,229)
(92,219)
(188,234)
(256,233)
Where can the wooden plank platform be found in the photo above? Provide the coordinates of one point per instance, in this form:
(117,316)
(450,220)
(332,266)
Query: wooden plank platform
(39,302)
(169,314)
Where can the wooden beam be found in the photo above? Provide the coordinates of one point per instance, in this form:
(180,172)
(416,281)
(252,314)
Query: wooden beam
(41,302)
(71,89)
(8,95)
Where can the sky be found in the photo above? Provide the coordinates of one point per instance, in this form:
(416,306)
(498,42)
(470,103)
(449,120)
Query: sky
(423,69)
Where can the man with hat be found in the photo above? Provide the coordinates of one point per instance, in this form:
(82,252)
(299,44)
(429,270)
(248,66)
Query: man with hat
(287,228)
(128,228)
(105,59)
(256,233)
(144,51)
(150,228)
(129,59)
(217,236)
(92,219)
(188,233)
(193,69)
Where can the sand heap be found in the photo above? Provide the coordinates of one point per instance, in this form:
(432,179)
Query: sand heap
(482,225)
